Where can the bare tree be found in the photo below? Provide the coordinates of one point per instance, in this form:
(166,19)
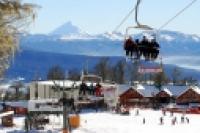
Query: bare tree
(160,79)
(176,73)
(133,71)
(14,17)
(74,74)
(189,80)
(17,85)
(56,73)
(112,73)
(102,67)
(120,71)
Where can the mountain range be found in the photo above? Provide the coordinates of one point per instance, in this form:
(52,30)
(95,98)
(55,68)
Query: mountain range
(68,40)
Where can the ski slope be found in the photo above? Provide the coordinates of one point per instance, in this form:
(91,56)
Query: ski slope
(115,123)
(107,122)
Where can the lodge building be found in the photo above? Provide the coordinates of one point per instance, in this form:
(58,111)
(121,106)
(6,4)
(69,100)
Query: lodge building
(148,96)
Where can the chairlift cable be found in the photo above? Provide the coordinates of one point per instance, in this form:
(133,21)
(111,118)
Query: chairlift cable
(174,17)
(124,19)
(179,13)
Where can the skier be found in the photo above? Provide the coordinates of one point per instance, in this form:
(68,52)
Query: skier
(137,112)
(171,113)
(144,121)
(164,112)
(161,121)
(182,119)
(173,121)
(187,119)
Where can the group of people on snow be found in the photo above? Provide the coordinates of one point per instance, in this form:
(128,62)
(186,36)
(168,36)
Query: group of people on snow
(149,49)
(174,119)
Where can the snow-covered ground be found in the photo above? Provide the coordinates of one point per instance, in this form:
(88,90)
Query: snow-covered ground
(106,122)
(114,123)
(18,127)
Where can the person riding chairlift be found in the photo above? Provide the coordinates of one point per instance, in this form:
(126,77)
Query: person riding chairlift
(130,47)
(138,52)
(154,49)
(143,47)
(149,49)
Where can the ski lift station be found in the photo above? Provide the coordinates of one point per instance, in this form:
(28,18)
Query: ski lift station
(45,95)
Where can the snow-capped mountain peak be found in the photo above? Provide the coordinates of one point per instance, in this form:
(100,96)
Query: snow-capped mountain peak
(111,36)
(66,29)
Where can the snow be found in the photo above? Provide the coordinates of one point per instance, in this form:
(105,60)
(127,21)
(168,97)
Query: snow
(168,91)
(76,37)
(65,83)
(196,38)
(17,128)
(4,86)
(107,122)
(167,37)
(113,36)
(6,113)
(139,87)
(196,89)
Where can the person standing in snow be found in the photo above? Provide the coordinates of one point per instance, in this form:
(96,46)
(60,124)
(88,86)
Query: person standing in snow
(144,121)
(187,119)
(174,121)
(171,113)
(164,112)
(161,121)
(137,112)
(182,119)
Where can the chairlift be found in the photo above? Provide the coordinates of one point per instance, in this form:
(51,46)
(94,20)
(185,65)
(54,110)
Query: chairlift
(146,48)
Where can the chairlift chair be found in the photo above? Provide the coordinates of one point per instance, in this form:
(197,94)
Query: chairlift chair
(149,49)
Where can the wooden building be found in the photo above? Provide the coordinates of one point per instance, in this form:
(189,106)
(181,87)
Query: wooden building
(138,95)
(191,95)
(130,97)
(7,121)
(149,95)
(164,96)
(7,118)
(19,108)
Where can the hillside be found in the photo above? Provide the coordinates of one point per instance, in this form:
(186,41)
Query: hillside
(29,64)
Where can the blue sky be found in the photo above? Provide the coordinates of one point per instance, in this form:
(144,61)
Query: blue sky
(98,16)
